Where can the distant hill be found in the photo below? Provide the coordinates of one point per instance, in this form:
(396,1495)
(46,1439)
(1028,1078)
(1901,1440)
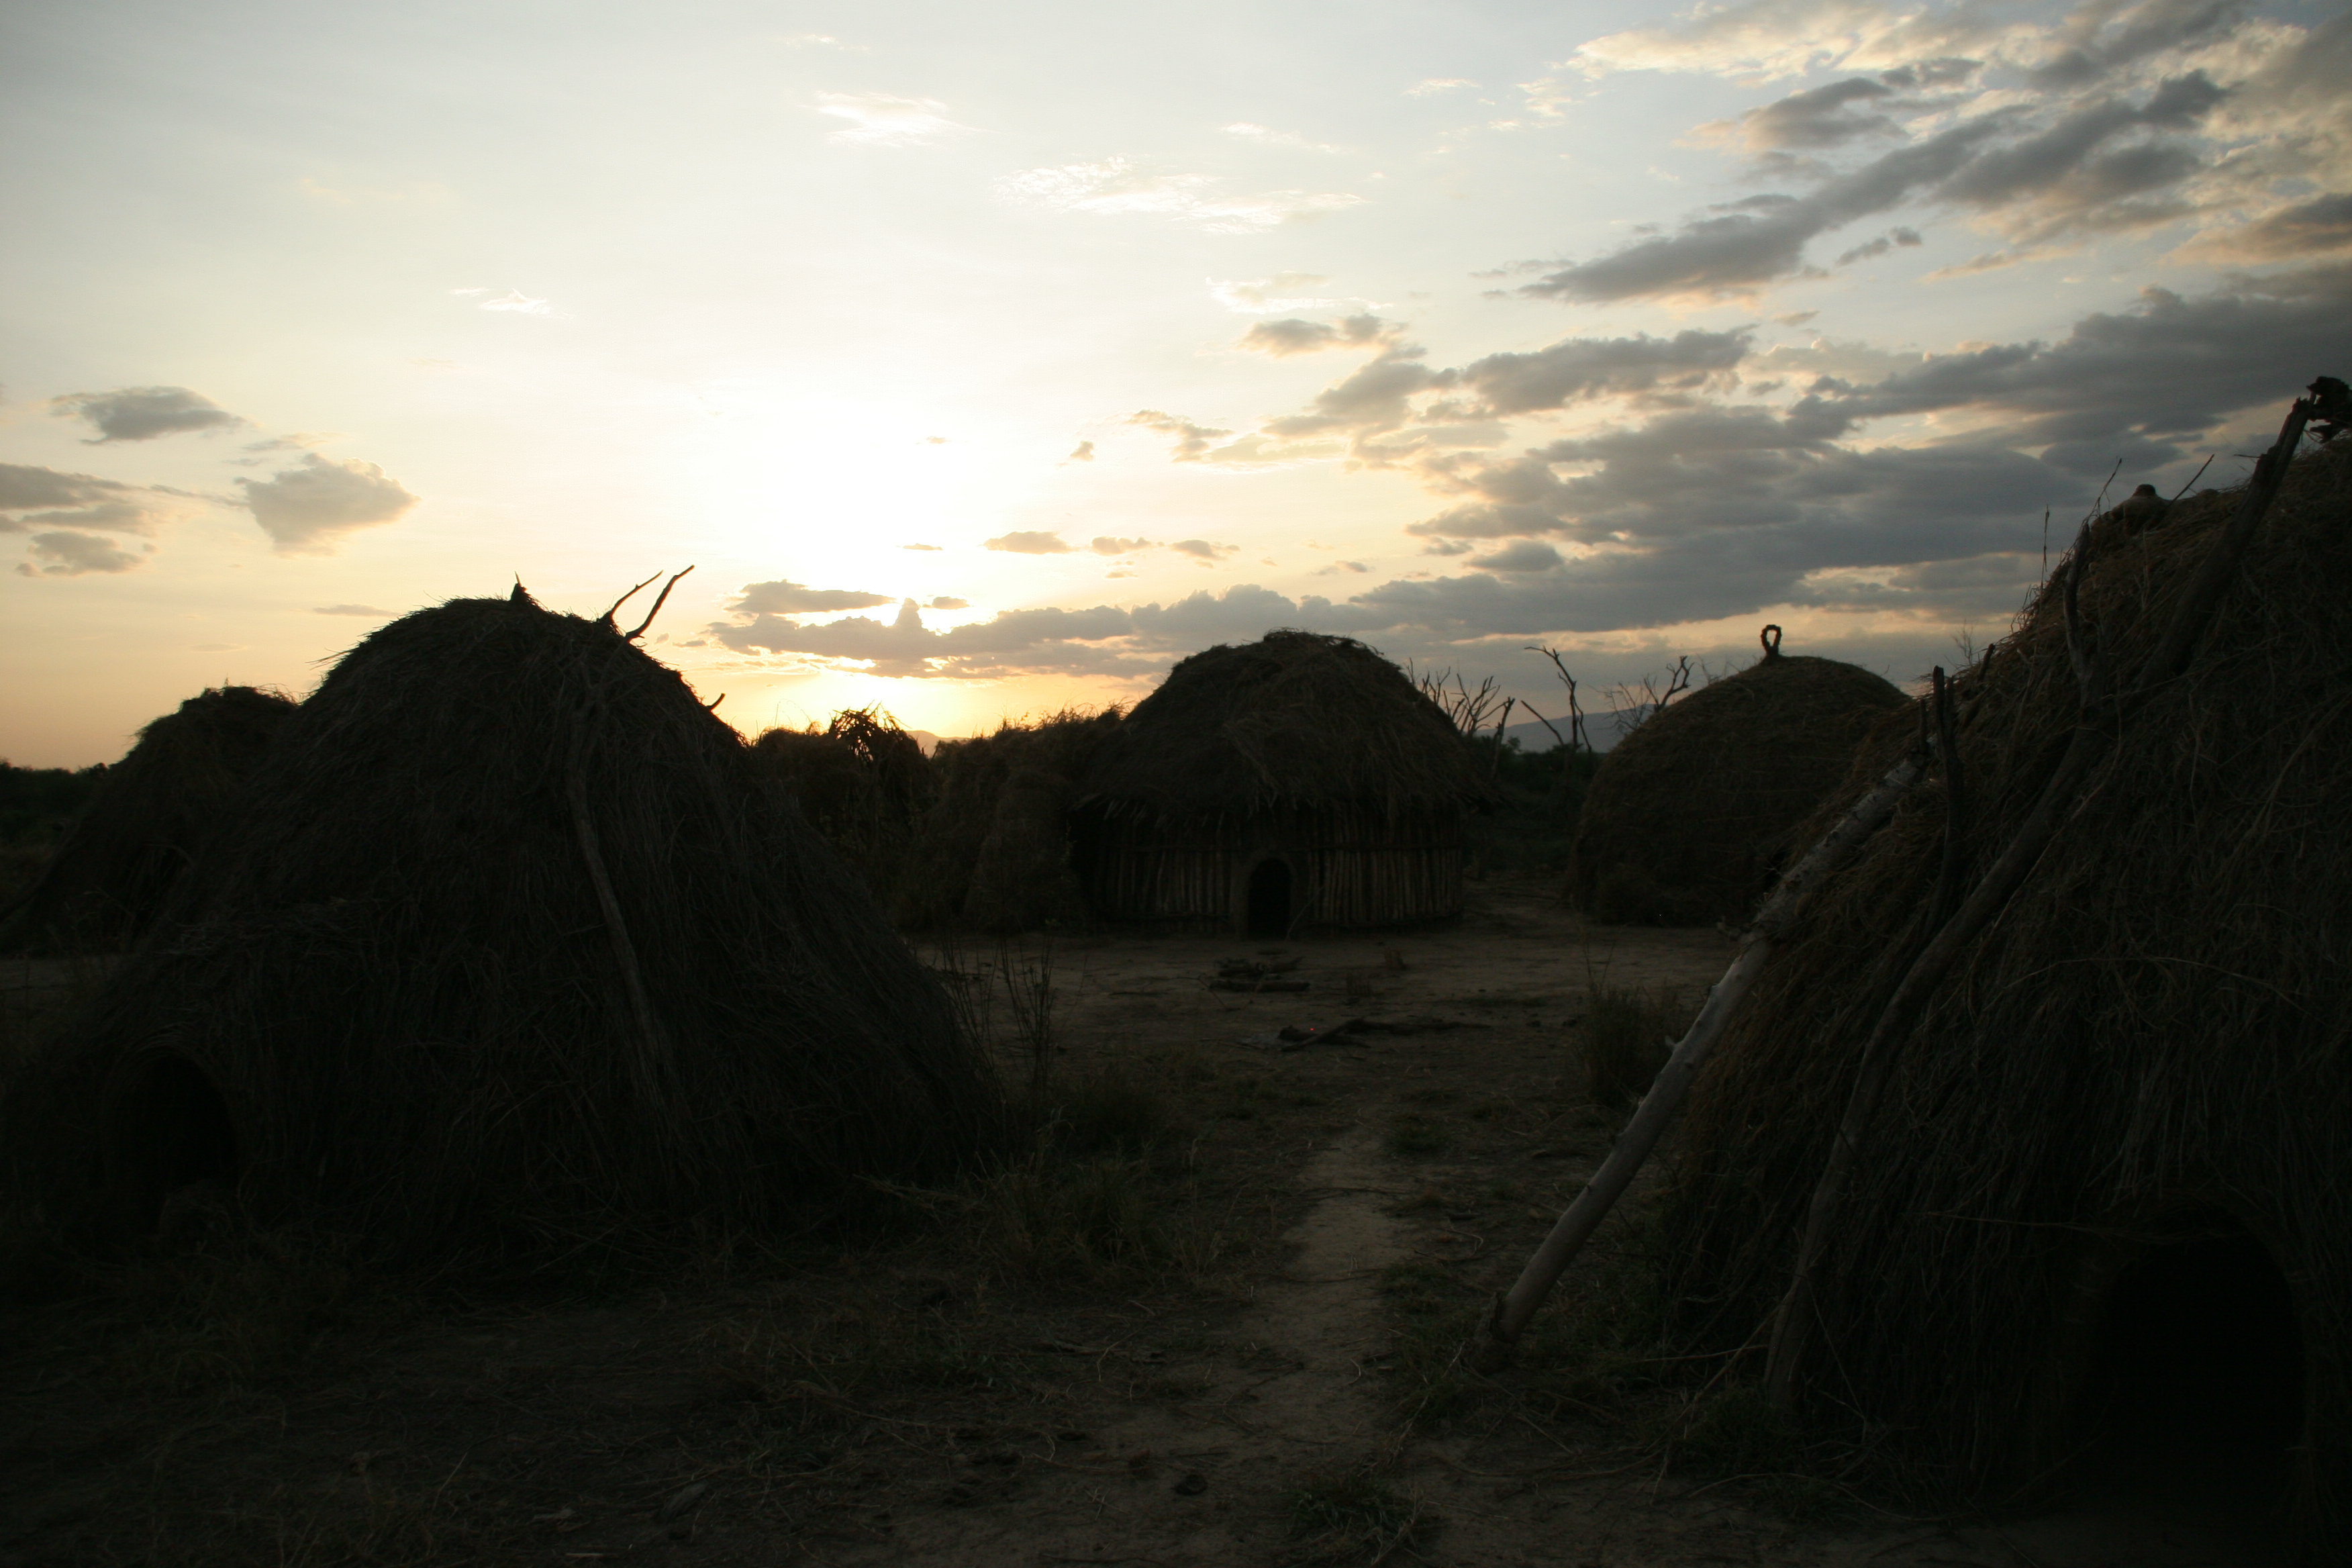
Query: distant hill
(1600,731)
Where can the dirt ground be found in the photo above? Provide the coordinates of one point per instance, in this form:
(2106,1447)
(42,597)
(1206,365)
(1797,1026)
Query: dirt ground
(1222,1344)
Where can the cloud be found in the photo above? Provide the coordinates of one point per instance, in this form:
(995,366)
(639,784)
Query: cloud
(33,498)
(1577,370)
(1524,555)
(144,413)
(352,610)
(1747,244)
(1720,510)
(883,120)
(1029,542)
(1104,544)
(516,302)
(1816,118)
(1193,441)
(1763,40)
(1432,86)
(66,554)
(310,509)
(944,603)
(1104,640)
(1119,187)
(1384,414)
(1271,296)
(1292,335)
(933,547)
(785,597)
(1084,452)
(1203,552)
(2313,228)
(1881,245)
(1259,133)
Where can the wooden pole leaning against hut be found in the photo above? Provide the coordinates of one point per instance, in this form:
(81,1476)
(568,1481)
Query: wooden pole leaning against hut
(2106,704)
(2078,1216)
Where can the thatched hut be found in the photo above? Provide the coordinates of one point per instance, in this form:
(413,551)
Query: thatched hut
(862,781)
(151,814)
(2098,1230)
(1688,818)
(995,853)
(1301,780)
(510,938)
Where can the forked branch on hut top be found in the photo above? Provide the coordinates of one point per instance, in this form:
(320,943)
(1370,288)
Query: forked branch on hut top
(2102,713)
(658,602)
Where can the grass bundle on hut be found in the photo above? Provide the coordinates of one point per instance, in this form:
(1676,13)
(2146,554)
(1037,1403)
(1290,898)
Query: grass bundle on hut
(994,853)
(1689,817)
(862,781)
(512,937)
(2099,1224)
(1301,779)
(151,815)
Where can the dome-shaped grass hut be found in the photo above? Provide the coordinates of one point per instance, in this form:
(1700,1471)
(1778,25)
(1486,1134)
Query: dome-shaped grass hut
(152,813)
(2096,1229)
(862,781)
(1299,780)
(994,853)
(1688,819)
(512,936)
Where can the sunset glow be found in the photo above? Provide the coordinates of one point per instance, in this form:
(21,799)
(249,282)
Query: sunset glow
(984,361)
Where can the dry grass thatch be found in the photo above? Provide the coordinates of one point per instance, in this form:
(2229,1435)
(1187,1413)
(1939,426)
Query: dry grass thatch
(152,813)
(993,853)
(1690,817)
(1293,720)
(862,781)
(2149,1052)
(511,938)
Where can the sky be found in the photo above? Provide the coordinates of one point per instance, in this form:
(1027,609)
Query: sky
(982,361)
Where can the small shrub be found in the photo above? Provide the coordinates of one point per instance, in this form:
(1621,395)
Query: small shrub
(1112,1113)
(1044,1217)
(1351,1516)
(1736,1431)
(1625,1039)
(1434,1317)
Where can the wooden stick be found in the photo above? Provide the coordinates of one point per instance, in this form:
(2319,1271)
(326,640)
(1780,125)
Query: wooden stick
(1491,1351)
(658,602)
(624,951)
(2094,735)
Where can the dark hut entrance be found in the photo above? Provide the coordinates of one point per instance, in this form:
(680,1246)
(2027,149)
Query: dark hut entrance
(1267,911)
(166,1128)
(2196,1396)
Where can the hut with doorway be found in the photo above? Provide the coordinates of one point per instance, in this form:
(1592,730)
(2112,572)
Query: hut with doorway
(151,814)
(1301,780)
(2097,1235)
(1688,819)
(512,939)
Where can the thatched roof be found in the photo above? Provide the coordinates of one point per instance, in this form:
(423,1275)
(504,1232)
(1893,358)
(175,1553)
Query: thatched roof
(1295,719)
(993,852)
(862,781)
(513,936)
(152,813)
(1688,818)
(2152,1041)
